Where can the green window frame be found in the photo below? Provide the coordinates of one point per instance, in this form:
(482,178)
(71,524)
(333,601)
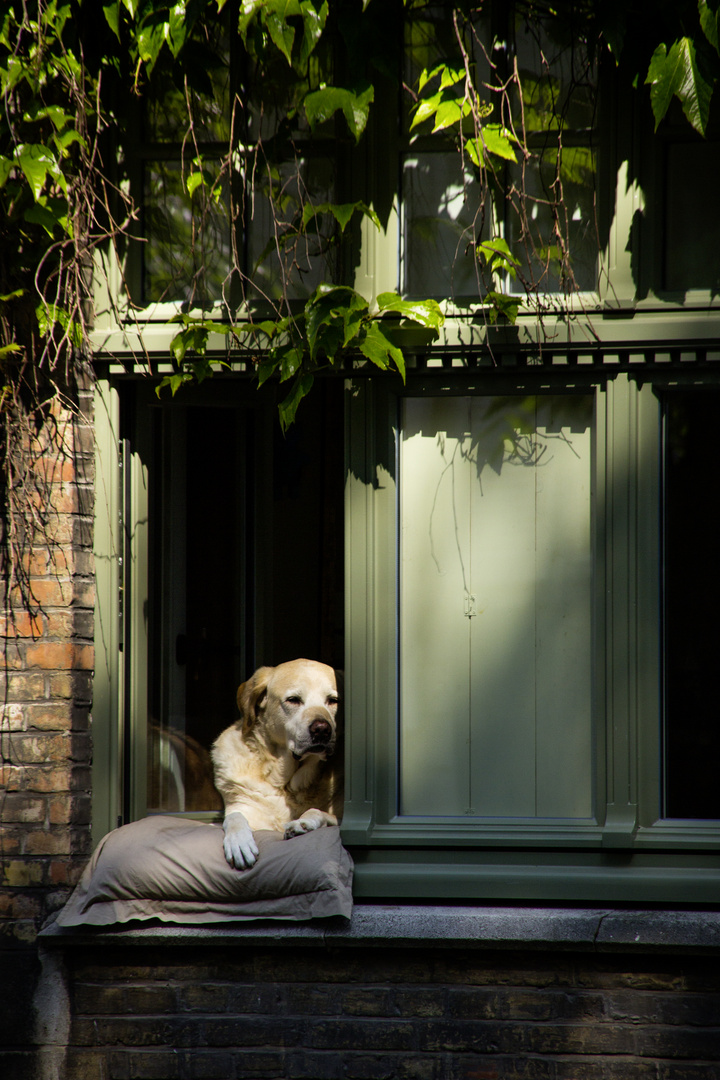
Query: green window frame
(628,851)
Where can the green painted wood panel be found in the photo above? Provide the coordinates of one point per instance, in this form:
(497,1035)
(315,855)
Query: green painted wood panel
(496,607)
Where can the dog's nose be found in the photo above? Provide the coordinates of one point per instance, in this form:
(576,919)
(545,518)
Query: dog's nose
(320,730)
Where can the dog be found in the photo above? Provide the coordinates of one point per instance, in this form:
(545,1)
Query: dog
(279,766)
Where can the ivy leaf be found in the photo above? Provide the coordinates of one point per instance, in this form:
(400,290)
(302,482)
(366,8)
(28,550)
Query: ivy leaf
(51,315)
(112,17)
(322,104)
(177,27)
(287,408)
(38,214)
(268,366)
(449,113)
(342,212)
(710,23)
(494,139)
(192,339)
(497,256)
(291,358)
(427,313)
(677,73)
(380,350)
(174,382)
(36,162)
(503,307)
(332,316)
(313,26)
(6,167)
(282,34)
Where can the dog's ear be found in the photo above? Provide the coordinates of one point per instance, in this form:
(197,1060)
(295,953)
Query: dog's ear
(251,696)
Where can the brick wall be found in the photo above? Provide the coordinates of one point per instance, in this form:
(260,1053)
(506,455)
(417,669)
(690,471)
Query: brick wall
(389,1014)
(46,661)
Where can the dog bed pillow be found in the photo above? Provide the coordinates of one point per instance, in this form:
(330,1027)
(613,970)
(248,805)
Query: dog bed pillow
(174,869)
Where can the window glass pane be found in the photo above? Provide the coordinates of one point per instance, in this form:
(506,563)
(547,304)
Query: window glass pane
(692,252)
(692,602)
(183,261)
(543,204)
(537,241)
(496,608)
(440,223)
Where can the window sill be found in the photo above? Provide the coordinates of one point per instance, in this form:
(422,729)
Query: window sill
(449,927)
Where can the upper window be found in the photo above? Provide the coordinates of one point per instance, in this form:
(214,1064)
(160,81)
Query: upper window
(500,139)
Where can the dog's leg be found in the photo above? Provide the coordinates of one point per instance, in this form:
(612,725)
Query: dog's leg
(239,845)
(311,819)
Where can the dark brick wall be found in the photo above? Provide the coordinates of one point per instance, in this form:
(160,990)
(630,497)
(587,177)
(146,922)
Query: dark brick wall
(392,1014)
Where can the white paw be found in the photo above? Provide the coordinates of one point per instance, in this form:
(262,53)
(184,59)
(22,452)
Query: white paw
(239,845)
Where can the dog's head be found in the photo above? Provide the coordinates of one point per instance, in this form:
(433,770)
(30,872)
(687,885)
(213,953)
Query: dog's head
(295,705)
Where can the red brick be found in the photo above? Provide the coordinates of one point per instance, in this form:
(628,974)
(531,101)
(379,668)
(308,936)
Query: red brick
(60,656)
(47,842)
(20,624)
(49,716)
(35,748)
(23,808)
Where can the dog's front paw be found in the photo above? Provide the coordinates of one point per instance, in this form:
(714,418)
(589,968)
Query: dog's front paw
(299,826)
(239,845)
(311,819)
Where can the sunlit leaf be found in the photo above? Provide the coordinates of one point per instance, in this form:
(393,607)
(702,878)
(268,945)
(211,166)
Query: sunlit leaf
(378,348)
(36,162)
(710,23)
(427,313)
(322,104)
(677,73)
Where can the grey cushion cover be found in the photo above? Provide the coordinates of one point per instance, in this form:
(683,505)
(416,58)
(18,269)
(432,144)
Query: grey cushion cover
(174,869)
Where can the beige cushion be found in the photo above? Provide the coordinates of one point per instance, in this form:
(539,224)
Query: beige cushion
(174,869)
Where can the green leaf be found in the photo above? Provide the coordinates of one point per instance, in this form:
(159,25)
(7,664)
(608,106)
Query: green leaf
(193,182)
(677,73)
(6,167)
(342,212)
(380,350)
(332,317)
(710,23)
(193,338)
(322,104)
(46,218)
(13,347)
(449,113)
(112,16)
(51,315)
(497,256)
(177,27)
(282,34)
(288,408)
(427,313)
(174,382)
(291,358)
(494,139)
(36,162)
(503,307)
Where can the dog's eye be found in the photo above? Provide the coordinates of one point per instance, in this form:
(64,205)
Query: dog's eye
(332,700)
(294,699)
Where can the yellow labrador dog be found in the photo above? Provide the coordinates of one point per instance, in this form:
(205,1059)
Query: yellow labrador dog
(274,767)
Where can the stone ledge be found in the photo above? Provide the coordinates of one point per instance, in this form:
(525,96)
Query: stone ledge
(433,926)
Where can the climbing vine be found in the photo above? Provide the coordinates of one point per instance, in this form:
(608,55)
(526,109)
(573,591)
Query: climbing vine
(239,219)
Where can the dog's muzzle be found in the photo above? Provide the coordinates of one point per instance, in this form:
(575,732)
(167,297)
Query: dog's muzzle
(320,734)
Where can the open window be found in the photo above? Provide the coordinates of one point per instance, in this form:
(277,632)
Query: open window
(219,548)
